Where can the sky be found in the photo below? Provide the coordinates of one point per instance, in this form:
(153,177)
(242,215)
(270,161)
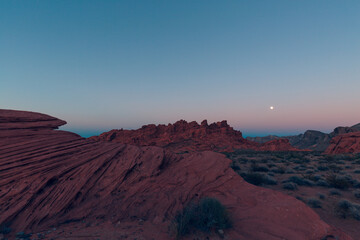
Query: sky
(103,65)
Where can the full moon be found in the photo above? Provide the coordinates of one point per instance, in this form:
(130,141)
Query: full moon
(272,108)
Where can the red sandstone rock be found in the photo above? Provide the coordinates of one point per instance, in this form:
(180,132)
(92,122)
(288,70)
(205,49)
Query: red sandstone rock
(190,137)
(344,143)
(50,178)
(280,144)
(12,119)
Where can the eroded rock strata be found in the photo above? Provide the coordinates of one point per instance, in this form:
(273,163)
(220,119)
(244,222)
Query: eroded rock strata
(54,179)
(184,136)
(344,143)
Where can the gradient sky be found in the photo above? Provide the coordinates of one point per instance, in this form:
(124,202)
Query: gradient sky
(101,65)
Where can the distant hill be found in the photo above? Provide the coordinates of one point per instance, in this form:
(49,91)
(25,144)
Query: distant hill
(311,139)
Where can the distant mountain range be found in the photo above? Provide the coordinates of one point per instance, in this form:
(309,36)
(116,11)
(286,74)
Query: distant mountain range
(311,139)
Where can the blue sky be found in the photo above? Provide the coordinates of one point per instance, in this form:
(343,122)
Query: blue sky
(101,65)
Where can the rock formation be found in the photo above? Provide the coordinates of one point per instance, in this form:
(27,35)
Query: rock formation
(311,139)
(190,137)
(56,179)
(262,139)
(344,143)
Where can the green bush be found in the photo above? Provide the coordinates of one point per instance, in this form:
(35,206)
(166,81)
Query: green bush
(209,214)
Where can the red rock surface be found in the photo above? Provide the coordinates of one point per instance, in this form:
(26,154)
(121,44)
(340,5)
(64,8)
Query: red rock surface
(190,137)
(344,143)
(280,144)
(57,180)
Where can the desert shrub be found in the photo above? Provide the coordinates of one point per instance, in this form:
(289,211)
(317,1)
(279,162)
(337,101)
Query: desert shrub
(357,171)
(321,196)
(209,214)
(335,168)
(279,169)
(235,167)
(299,181)
(257,168)
(322,183)
(334,192)
(264,160)
(309,172)
(297,161)
(270,165)
(258,178)
(22,235)
(357,194)
(355,183)
(322,168)
(300,198)
(339,182)
(289,186)
(345,209)
(4,229)
(314,203)
(311,177)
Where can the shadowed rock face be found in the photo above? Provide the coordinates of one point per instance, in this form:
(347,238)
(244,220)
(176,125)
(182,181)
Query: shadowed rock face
(12,119)
(345,143)
(191,137)
(49,178)
(311,139)
(262,139)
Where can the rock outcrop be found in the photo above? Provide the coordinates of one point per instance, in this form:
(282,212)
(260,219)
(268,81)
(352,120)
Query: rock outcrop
(280,144)
(262,139)
(56,179)
(191,137)
(311,139)
(344,143)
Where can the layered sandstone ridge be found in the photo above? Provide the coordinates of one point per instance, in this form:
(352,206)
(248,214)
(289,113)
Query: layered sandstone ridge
(56,179)
(184,136)
(12,119)
(344,143)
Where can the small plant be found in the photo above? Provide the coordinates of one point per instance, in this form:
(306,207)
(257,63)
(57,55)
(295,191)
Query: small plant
(209,214)
(322,168)
(4,229)
(334,192)
(257,168)
(357,194)
(322,183)
(345,209)
(258,179)
(321,196)
(22,235)
(235,167)
(290,186)
(337,181)
(300,181)
(314,203)
(280,169)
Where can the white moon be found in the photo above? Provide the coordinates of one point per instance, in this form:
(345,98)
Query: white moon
(272,108)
